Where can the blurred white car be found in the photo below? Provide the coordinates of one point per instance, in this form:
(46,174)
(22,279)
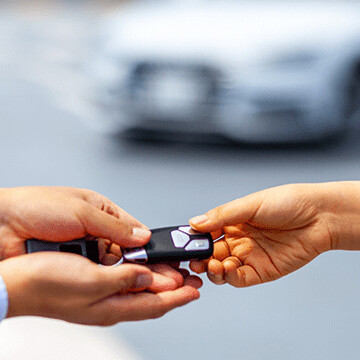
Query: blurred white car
(254,71)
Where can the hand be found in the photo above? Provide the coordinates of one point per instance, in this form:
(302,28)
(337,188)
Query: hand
(273,232)
(63,214)
(72,288)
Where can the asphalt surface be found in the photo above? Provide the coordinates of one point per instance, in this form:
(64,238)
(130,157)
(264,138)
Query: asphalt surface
(313,313)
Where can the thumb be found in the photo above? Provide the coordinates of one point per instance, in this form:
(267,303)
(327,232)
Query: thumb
(117,229)
(124,278)
(235,212)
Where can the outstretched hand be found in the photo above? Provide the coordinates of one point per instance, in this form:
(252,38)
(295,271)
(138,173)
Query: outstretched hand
(271,233)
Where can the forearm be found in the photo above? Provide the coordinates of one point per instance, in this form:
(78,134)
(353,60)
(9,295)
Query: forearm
(341,208)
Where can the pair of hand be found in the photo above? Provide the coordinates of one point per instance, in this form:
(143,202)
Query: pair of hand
(68,286)
(274,232)
(266,236)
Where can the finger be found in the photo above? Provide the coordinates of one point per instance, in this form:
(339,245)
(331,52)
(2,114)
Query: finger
(103,203)
(217,233)
(169,272)
(174,264)
(242,276)
(193,281)
(124,278)
(198,266)
(230,264)
(221,250)
(100,224)
(115,249)
(184,272)
(215,272)
(235,212)
(162,283)
(141,306)
(103,246)
(109,259)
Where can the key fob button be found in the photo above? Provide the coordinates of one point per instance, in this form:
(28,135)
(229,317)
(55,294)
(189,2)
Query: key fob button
(179,238)
(188,230)
(198,244)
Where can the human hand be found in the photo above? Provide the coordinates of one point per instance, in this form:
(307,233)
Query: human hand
(274,232)
(63,214)
(72,288)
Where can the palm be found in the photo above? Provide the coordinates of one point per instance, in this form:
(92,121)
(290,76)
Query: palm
(271,253)
(267,234)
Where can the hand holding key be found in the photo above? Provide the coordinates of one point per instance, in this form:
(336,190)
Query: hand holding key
(70,287)
(274,232)
(61,214)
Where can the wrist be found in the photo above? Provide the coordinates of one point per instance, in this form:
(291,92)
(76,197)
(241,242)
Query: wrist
(342,211)
(16,280)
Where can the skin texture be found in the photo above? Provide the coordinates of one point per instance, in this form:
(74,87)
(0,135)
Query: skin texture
(72,288)
(68,286)
(274,232)
(62,214)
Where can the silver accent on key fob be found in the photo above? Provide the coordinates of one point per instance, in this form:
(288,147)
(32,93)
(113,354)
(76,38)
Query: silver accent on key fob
(179,238)
(197,244)
(188,230)
(135,255)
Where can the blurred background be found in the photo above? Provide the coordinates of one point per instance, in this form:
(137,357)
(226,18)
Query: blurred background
(171,108)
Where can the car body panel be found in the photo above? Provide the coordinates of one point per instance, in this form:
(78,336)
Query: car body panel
(255,71)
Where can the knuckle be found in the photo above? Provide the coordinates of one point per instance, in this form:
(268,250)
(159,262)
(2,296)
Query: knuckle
(90,196)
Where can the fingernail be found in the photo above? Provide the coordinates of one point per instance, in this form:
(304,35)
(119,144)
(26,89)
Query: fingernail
(199,219)
(141,234)
(143,281)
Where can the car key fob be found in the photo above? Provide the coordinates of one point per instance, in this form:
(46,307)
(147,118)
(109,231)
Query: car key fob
(176,243)
(87,248)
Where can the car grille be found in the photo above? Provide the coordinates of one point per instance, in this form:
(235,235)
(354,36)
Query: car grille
(199,83)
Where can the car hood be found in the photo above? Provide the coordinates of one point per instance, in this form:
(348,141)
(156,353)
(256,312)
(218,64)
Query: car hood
(234,32)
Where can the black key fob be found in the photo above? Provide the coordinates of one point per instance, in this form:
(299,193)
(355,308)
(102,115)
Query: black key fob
(176,243)
(87,248)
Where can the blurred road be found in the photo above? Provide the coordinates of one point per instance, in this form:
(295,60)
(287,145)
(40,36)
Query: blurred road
(311,314)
